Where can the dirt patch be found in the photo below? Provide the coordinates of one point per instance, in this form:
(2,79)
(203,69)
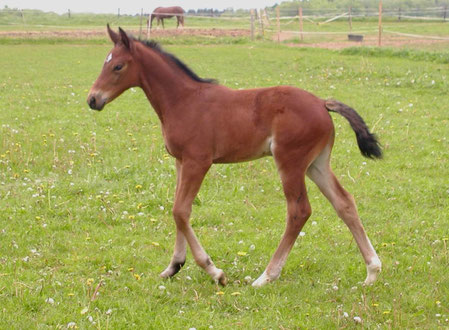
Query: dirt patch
(89,34)
(341,41)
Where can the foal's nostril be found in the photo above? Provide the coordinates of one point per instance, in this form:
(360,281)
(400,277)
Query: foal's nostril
(92,102)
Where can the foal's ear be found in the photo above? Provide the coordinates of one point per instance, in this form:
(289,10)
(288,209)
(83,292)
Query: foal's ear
(127,42)
(114,36)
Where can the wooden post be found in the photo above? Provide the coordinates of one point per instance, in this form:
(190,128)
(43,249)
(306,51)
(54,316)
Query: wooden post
(350,19)
(140,27)
(261,30)
(300,24)
(148,26)
(23,17)
(69,13)
(379,41)
(118,13)
(265,16)
(278,24)
(399,14)
(252,24)
(445,12)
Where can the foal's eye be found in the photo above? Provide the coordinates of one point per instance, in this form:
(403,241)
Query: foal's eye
(118,67)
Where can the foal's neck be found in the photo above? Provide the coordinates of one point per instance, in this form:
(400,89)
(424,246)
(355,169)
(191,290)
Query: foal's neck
(164,84)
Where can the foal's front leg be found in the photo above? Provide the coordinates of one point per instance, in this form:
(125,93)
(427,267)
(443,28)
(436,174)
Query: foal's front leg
(190,176)
(179,254)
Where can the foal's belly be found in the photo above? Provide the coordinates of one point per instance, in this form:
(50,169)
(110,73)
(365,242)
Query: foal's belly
(243,152)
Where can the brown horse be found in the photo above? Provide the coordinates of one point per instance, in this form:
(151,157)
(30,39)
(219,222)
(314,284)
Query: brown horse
(205,123)
(167,12)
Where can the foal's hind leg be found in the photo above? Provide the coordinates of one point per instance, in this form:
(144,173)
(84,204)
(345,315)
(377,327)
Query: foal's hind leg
(298,211)
(321,173)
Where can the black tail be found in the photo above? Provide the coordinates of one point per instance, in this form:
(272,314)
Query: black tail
(368,144)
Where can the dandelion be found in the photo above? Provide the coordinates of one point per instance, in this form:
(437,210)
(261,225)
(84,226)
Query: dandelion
(137,276)
(130,269)
(90,281)
(70,294)
(220,293)
(241,253)
(236,293)
(386,312)
(155,243)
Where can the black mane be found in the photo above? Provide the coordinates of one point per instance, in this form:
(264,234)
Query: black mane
(155,46)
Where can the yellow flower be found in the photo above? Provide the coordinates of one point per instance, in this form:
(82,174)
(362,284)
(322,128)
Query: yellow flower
(90,281)
(220,293)
(241,253)
(130,269)
(386,312)
(136,276)
(236,293)
(138,186)
(155,243)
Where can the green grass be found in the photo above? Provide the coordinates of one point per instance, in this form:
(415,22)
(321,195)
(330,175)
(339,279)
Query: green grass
(85,199)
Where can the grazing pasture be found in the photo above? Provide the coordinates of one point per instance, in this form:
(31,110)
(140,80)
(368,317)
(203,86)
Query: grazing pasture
(85,198)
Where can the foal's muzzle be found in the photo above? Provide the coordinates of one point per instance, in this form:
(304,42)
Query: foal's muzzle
(96,102)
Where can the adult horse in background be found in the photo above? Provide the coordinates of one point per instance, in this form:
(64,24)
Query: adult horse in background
(160,13)
(205,123)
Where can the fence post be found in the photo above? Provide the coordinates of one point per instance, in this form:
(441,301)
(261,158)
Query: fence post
(300,24)
(445,12)
(140,27)
(350,19)
(23,17)
(261,29)
(69,13)
(379,42)
(399,14)
(148,26)
(278,23)
(252,24)
(118,13)
(265,16)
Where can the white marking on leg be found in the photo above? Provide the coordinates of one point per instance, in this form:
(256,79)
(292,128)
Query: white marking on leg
(373,269)
(262,280)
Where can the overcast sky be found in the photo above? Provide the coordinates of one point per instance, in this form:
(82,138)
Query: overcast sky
(129,6)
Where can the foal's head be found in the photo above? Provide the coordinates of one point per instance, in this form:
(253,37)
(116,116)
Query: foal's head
(119,72)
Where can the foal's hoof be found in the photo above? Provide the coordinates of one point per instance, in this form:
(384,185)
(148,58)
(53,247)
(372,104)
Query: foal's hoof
(220,278)
(262,280)
(172,270)
(373,270)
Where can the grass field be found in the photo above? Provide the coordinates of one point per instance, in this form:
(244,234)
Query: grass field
(85,199)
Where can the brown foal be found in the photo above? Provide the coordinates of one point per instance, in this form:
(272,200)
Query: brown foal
(205,123)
